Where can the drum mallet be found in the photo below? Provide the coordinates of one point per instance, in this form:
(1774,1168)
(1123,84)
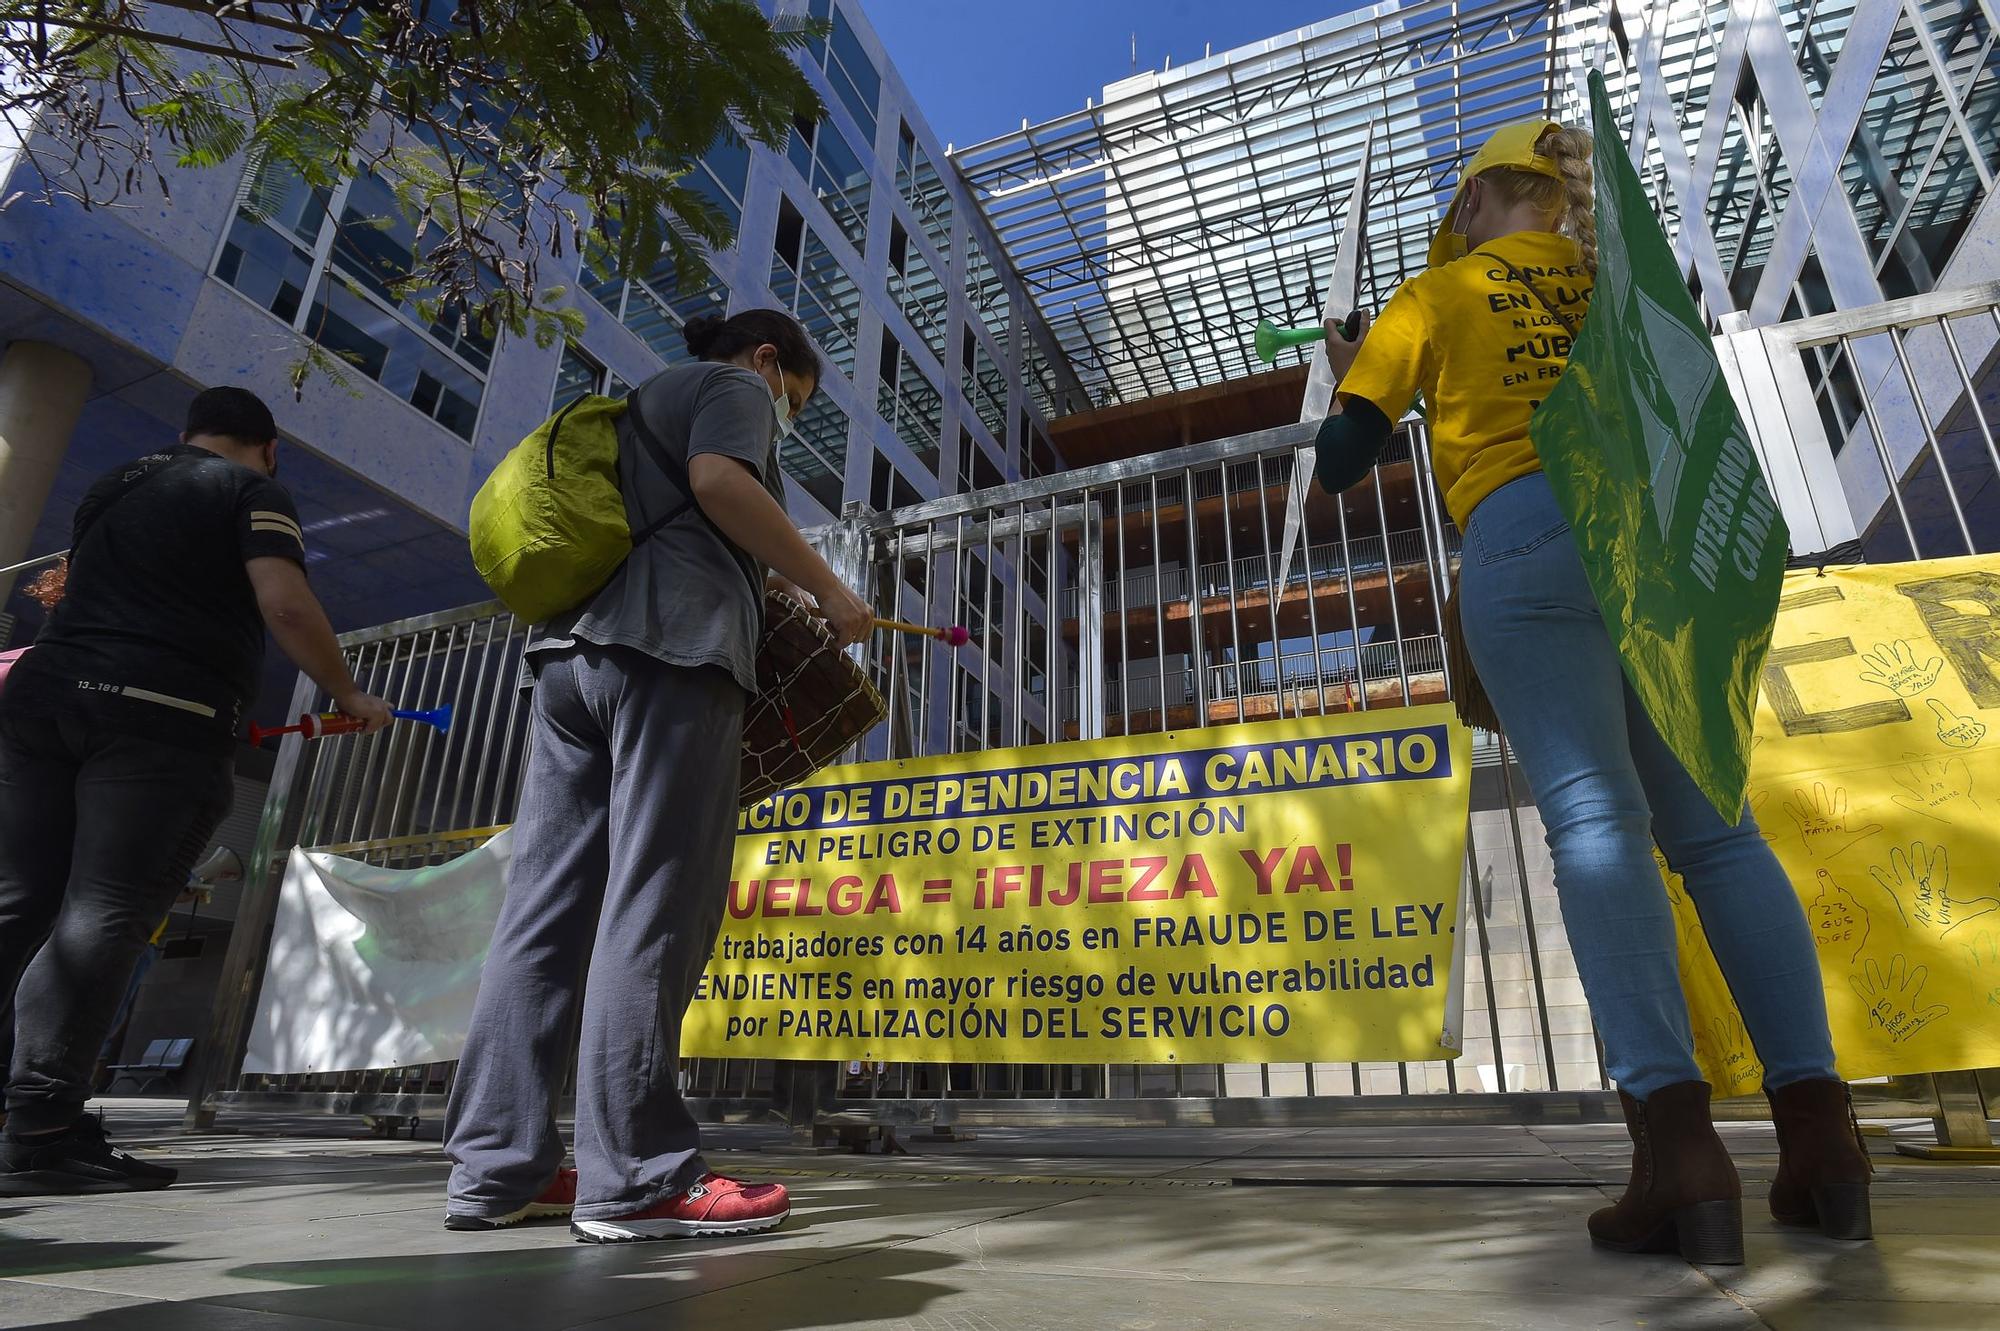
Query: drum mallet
(954,636)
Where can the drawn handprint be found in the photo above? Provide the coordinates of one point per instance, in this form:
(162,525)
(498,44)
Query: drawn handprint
(1936,788)
(1920,885)
(1733,1050)
(1896,669)
(1823,821)
(1837,919)
(1982,949)
(1961,732)
(1895,1000)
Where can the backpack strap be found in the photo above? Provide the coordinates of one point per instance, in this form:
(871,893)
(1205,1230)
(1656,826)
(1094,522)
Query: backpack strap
(668,463)
(677,472)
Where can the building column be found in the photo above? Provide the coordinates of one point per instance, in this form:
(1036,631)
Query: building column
(42,392)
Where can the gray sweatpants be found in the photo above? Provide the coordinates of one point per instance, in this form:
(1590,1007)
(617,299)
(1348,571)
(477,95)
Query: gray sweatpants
(622,850)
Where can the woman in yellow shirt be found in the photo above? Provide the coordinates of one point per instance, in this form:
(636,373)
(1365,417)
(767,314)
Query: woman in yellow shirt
(1484,334)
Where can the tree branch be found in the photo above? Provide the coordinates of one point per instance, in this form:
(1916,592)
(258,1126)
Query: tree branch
(221,13)
(153,39)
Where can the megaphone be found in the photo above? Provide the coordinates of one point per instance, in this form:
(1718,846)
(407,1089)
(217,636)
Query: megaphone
(1271,339)
(223,865)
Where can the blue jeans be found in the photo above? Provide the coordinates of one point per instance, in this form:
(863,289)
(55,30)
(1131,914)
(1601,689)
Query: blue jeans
(1608,788)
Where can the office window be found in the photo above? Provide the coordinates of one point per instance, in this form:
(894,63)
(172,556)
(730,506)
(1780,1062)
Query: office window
(909,402)
(1035,561)
(924,190)
(352,302)
(985,387)
(815,453)
(848,67)
(836,174)
(1041,455)
(578,374)
(988,295)
(888,490)
(809,281)
(722,174)
(1034,663)
(982,606)
(375,246)
(658,304)
(1038,376)
(979,718)
(917,290)
(260,262)
(976,470)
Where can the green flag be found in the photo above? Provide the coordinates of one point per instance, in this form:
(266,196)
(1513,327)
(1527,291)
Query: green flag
(1651,463)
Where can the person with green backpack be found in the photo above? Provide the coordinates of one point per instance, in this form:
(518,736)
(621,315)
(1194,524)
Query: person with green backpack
(637,535)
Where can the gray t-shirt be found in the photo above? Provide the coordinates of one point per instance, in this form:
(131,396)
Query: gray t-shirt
(687,596)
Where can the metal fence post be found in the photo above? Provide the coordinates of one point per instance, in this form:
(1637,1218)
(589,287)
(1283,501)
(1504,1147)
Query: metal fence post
(848,547)
(1762,368)
(221,1054)
(1090,624)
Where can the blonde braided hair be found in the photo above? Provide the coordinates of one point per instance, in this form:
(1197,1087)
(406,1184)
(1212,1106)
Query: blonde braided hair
(1571,151)
(1571,202)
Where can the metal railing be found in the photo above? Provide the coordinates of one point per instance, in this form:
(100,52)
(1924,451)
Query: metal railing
(1338,671)
(1322,564)
(404,798)
(1875,423)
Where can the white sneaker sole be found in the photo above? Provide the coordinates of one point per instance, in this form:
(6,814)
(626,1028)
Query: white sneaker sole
(532,1211)
(640,1231)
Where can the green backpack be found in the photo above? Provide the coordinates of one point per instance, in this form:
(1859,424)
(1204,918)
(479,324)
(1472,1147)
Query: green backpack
(548,527)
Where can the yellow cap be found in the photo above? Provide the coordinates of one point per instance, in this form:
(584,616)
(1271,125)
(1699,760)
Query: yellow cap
(1511,145)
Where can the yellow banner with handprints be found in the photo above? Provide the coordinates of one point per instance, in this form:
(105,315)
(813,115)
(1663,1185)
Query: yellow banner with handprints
(1277,892)
(1876,779)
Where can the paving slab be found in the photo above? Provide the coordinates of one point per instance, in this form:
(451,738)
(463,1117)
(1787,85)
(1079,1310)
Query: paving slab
(306,1225)
(898,1292)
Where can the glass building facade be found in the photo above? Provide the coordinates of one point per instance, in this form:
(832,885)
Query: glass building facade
(852,227)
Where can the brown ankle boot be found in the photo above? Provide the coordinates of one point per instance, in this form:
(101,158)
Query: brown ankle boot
(1684,1195)
(1823,1167)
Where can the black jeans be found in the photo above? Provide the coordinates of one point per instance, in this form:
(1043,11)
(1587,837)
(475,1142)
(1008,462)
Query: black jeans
(98,832)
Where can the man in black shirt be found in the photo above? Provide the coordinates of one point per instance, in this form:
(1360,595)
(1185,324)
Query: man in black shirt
(115,740)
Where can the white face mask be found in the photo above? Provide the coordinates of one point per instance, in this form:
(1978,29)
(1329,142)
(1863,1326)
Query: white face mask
(781,406)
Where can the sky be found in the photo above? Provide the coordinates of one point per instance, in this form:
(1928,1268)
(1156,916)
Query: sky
(977,67)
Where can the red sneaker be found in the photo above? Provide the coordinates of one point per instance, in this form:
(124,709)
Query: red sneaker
(558,1199)
(716,1205)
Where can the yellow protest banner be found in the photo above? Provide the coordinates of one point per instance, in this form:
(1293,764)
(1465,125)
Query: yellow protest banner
(1283,891)
(1876,779)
